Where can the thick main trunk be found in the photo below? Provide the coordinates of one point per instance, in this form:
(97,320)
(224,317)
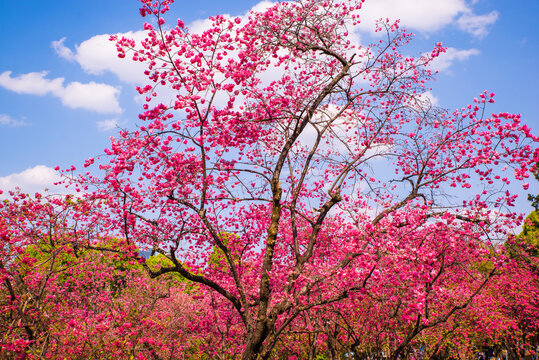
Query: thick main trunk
(255,341)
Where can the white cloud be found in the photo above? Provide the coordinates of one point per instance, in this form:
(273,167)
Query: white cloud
(33,83)
(32,180)
(106,125)
(477,24)
(445,60)
(92,96)
(426,15)
(62,50)
(423,15)
(98,55)
(200,25)
(262,6)
(7,120)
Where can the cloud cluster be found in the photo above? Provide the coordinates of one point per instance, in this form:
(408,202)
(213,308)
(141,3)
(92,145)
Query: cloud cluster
(477,24)
(98,55)
(427,15)
(423,15)
(31,180)
(98,97)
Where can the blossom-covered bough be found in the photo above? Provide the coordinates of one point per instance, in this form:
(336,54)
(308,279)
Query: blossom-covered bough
(295,175)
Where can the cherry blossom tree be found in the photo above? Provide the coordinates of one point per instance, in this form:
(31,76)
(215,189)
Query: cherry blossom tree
(305,162)
(67,293)
(32,259)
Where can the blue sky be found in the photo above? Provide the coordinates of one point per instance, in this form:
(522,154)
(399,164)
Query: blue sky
(63,91)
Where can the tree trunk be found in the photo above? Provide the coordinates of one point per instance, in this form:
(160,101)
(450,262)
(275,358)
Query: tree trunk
(255,340)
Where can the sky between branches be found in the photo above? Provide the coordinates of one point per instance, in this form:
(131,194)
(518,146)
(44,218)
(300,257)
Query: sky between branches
(64,92)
